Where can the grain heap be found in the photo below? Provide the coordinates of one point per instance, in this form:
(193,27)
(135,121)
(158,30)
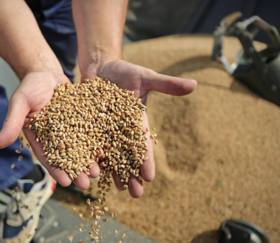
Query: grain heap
(85,120)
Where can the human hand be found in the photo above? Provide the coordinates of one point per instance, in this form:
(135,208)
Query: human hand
(33,93)
(141,80)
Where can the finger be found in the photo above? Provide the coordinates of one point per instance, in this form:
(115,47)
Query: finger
(17,111)
(59,175)
(94,170)
(100,155)
(118,183)
(148,167)
(82,181)
(167,84)
(135,187)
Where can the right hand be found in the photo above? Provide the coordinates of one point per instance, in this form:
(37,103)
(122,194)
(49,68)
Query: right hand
(33,93)
(141,80)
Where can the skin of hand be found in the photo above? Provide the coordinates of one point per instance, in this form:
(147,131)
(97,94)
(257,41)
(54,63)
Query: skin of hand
(141,80)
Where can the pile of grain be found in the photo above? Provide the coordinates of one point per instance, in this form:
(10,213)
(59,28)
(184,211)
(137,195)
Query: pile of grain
(218,152)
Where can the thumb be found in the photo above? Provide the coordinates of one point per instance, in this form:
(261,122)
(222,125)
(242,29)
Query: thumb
(17,112)
(168,84)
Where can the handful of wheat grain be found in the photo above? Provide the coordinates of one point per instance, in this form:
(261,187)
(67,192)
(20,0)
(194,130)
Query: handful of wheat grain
(85,120)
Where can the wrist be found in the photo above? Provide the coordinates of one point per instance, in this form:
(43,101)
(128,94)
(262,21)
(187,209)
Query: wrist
(47,78)
(93,61)
(43,64)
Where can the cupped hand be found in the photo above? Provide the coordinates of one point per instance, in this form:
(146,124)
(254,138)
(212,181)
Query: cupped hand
(33,93)
(140,80)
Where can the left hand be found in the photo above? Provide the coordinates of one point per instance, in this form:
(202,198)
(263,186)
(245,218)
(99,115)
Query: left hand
(140,80)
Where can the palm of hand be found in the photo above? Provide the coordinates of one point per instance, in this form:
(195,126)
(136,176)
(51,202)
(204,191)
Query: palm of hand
(37,90)
(127,76)
(34,92)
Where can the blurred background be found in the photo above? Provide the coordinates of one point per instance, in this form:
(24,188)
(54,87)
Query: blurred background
(154,18)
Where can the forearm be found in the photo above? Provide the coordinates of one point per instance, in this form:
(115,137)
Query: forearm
(22,45)
(99,25)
